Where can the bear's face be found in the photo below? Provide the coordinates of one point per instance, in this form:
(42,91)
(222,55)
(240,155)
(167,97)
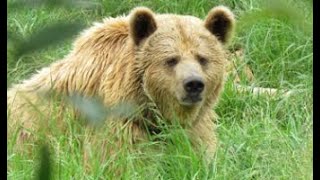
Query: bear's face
(182,56)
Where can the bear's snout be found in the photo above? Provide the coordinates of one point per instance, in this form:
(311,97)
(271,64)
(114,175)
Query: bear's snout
(193,85)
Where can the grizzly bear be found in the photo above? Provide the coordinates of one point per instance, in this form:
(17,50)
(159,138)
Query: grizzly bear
(176,62)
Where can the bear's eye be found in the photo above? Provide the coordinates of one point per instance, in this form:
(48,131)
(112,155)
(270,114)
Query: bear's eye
(202,60)
(172,62)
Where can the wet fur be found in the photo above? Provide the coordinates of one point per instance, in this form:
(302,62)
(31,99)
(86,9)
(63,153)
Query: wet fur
(115,60)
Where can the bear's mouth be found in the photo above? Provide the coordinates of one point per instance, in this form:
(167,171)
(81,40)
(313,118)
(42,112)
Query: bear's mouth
(190,100)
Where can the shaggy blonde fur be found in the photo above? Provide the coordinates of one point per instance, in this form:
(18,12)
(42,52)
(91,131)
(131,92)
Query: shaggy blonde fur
(124,59)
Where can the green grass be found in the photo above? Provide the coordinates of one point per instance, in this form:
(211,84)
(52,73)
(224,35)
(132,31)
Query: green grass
(259,137)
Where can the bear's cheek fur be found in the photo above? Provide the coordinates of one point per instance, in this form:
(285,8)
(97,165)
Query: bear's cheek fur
(215,80)
(157,84)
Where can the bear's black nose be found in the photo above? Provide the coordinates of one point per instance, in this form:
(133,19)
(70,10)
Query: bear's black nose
(193,86)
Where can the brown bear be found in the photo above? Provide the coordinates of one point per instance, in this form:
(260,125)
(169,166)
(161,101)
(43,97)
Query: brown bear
(176,62)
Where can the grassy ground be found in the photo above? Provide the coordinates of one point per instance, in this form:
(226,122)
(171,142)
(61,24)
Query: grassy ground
(259,137)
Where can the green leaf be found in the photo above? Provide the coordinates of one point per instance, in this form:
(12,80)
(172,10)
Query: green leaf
(45,164)
(93,109)
(50,35)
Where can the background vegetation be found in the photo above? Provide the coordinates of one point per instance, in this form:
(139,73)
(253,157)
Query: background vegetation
(259,137)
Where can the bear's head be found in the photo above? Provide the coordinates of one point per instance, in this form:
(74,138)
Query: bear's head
(182,58)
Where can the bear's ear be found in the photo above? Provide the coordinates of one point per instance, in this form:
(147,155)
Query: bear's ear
(220,22)
(142,24)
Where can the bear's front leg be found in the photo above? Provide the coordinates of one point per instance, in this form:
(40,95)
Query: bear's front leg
(203,137)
